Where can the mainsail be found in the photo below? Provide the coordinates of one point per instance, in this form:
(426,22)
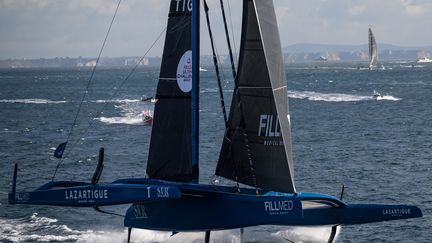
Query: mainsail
(172,114)
(373,55)
(256,149)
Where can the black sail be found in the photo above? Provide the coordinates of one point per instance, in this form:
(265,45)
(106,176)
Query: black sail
(170,146)
(257,145)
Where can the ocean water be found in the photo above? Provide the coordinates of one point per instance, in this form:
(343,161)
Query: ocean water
(381,150)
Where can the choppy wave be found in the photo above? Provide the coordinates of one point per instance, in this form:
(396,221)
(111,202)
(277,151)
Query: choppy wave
(412,66)
(306,234)
(43,229)
(35,229)
(336,97)
(47,101)
(33,101)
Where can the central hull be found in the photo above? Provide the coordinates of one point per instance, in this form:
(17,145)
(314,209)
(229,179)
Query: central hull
(208,207)
(213,212)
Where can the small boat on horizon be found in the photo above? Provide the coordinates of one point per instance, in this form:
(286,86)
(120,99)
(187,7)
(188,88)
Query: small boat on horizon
(424,60)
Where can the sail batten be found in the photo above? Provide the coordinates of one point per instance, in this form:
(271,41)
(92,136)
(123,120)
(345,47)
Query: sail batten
(259,111)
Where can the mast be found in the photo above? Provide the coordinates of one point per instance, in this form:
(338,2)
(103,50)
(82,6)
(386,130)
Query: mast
(195,85)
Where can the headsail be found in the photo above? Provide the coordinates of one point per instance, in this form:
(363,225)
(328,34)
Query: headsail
(172,114)
(373,55)
(257,145)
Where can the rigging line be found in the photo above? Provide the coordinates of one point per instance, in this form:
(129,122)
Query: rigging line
(222,68)
(121,85)
(228,39)
(88,83)
(232,30)
(241,127)
(107,212)
(215,62)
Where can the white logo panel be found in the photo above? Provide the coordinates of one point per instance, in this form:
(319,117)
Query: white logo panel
(184,72)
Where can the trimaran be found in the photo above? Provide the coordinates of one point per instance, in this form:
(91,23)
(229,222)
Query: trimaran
(256,149)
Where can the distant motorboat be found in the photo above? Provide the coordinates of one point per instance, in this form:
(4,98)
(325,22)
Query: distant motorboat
(376,95)
(148,98)
(424,60)
(147,117)
(322,58)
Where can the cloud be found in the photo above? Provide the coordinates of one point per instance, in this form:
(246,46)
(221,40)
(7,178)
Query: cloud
(101,6)
(417,8)
(356,10)
(20,3)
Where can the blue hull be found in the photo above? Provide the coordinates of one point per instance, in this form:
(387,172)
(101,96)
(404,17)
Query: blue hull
(214,212)
(206,207)
(170,206)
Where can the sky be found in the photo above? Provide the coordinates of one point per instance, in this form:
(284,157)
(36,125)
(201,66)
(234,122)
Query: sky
(72,28)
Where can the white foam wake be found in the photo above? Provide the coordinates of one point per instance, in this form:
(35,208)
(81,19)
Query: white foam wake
(388,97)
(128,120)
(130,114)
(33,101)
(117,101)
(335,97)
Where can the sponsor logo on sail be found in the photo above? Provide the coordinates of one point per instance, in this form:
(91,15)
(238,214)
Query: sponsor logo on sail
(183,5)
(269,127)
(184,72)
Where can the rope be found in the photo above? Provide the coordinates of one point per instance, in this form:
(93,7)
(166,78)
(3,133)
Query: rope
(88,83)
(228,40)
(123,82)
(242,125)
(232,30)
(119,88)
(115,93)
(222,100)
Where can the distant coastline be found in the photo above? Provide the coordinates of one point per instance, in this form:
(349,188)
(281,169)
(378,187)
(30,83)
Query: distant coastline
(320,52)
(292,53)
